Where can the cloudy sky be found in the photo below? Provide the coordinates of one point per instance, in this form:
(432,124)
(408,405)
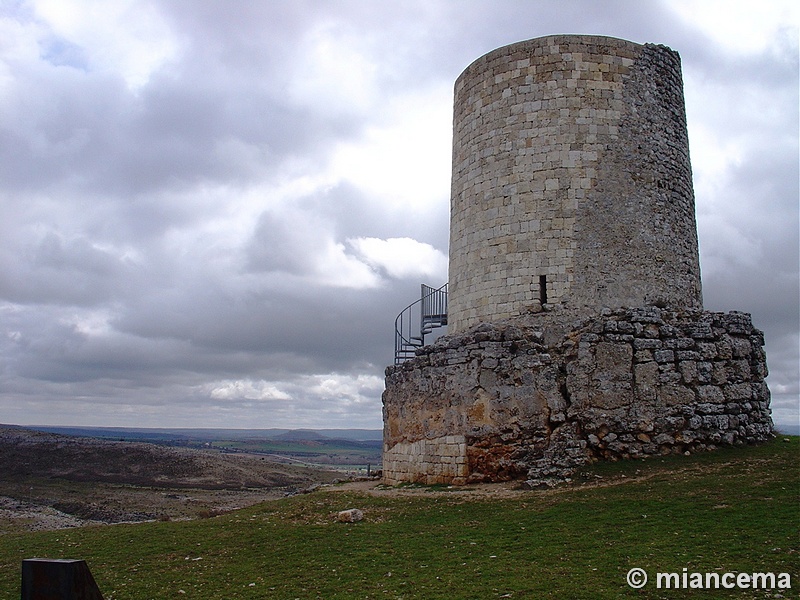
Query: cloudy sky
(211,211)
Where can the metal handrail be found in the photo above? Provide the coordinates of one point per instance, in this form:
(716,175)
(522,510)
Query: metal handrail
(434,306)
(429,312)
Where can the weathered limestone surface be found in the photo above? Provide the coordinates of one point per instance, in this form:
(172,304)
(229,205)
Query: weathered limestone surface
(532,398)
(570,169)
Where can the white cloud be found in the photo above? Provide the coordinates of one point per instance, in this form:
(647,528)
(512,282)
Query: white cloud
(334,73)
(405,159)
(713,155)
(246,389)
(345,391)
(402,258)
(124,37)
(324,399)
(18,48)
(335,267)
(299,243)
(740,26)
(89,323)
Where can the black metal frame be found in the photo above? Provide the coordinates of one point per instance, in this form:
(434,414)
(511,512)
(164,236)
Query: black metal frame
(427,313)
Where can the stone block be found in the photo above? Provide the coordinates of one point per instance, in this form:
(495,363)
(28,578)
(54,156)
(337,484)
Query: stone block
(664,356)
(681,343)
(647,344)
(668,376)
(738,370)
(724,348)
(710,394)
(688,370)
(663,438)
(351,515)
(738,392)
(707,350)
(700,331)
(719,373)
(675,395)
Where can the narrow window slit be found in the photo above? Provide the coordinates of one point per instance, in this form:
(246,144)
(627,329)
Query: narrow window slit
(543,289)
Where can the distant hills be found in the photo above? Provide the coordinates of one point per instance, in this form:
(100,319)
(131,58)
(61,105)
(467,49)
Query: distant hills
(211,434)
(166,435)
(351,448)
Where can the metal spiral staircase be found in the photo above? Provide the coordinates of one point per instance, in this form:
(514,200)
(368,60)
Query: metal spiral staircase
(417,320)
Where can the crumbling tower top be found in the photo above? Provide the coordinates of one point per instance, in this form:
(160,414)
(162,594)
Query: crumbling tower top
(572,186)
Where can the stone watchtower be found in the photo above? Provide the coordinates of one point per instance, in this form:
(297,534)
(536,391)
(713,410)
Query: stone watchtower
(576,328)
(571,184)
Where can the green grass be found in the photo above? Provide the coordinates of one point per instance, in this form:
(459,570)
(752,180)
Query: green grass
(735,510)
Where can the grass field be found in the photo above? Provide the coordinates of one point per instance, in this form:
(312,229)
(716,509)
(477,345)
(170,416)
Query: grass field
(735,510)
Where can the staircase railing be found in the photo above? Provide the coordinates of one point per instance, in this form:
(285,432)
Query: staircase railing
(419,319)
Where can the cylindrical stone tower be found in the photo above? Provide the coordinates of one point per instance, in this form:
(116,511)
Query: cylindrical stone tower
(572,186)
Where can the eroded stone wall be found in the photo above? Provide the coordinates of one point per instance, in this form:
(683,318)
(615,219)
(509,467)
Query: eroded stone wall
(532,398)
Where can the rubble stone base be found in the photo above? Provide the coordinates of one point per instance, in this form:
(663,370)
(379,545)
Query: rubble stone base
(533,398)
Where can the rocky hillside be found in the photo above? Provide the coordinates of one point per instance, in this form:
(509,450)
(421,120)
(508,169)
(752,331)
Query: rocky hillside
(45,455)
(110,481)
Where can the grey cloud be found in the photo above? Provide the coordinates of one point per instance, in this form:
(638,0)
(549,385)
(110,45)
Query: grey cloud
(356,215)
(56,125)
(54,270)
(88,132)
(331,330)
(284,243)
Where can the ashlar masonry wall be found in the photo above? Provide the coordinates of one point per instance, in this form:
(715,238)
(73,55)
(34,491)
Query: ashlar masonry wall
(525,398)
(571,181)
